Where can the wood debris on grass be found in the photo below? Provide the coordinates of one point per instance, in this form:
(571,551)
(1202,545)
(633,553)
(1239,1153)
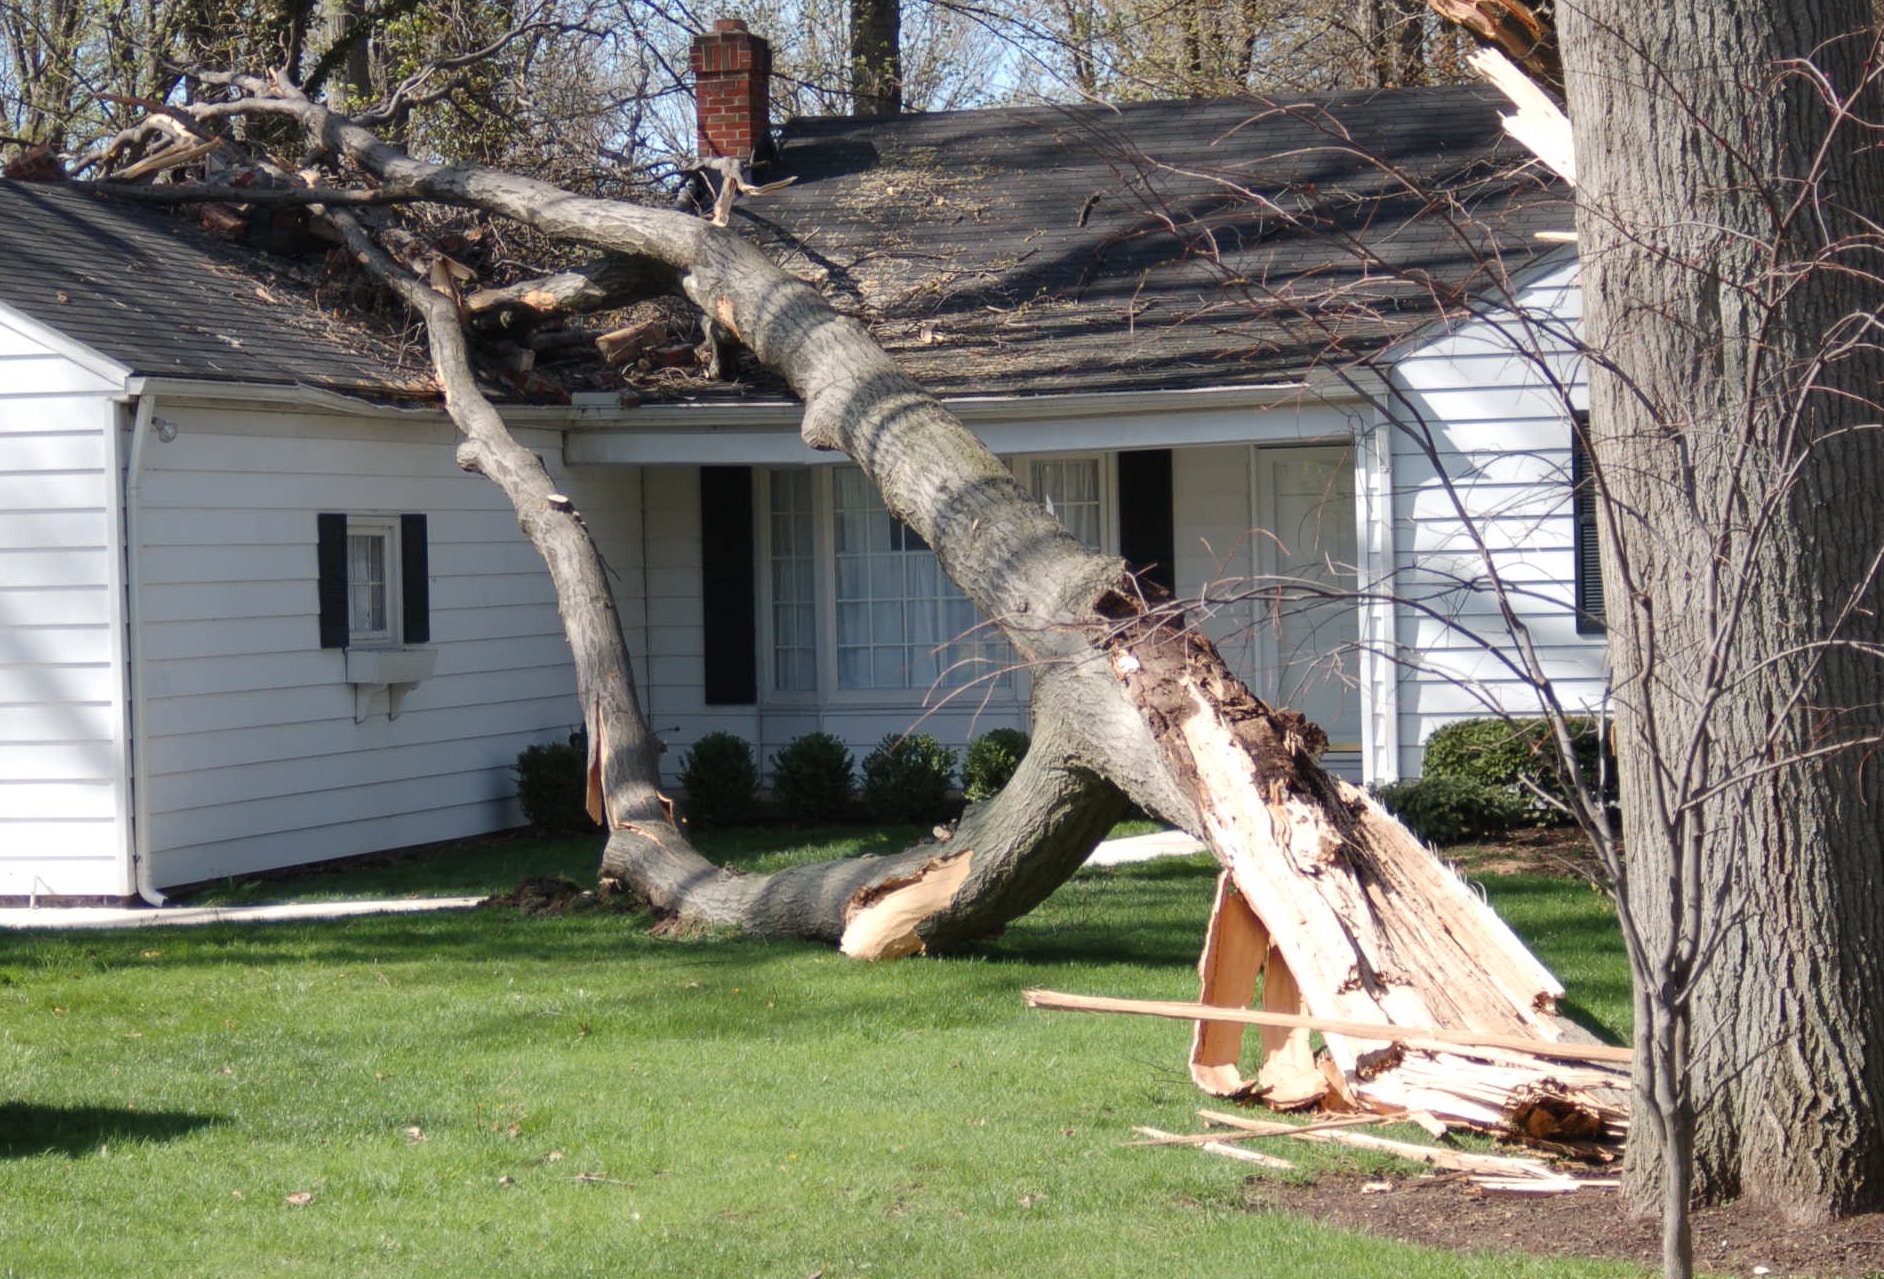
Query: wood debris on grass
(1483,1173)
(1454,1025)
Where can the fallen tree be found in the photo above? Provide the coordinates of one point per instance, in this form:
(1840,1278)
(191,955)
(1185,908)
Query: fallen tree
(1128,700)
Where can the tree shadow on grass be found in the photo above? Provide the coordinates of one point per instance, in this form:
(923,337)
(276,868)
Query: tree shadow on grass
(27,1129)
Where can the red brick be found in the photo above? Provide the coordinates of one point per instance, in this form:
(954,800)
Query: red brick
(732,70)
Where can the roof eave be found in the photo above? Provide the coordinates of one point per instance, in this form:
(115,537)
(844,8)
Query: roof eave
(90,358)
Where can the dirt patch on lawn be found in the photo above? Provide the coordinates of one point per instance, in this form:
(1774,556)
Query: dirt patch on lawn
(1443,1212)
(1551,850)
(547,895)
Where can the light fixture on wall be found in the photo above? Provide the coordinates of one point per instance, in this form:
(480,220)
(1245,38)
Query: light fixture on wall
(166,429)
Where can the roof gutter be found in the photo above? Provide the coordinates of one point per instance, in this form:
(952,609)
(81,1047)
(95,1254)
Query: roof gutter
(205,391)
(601,409)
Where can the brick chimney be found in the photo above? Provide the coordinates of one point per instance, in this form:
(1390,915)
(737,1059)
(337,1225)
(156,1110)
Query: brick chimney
(732,74)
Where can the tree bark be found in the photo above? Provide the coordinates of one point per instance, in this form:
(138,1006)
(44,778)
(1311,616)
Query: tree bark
(1726,186)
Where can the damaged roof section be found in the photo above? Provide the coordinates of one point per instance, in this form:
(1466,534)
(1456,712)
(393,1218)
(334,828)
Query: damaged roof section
(1159,244)
(164,299)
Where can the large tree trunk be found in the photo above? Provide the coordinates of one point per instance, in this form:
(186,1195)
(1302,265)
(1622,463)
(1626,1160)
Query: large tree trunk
(1730,289)
(1128,700)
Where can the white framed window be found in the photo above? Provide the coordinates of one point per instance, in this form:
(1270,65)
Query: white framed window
(1072,488)
(856,604)
(792,554)
(372,581)
(900,622)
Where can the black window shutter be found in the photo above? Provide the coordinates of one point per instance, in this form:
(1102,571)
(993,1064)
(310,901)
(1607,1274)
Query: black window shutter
(332,558)
(415,583)
(1147,539)
(1588,557)
(728,609)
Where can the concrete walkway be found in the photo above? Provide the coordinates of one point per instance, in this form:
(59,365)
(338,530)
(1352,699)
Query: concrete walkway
(1142,848)
(171,916)
(1113,852)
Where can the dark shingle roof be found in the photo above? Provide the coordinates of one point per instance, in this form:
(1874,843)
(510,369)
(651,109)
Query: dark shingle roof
(1161,244)
(167,300)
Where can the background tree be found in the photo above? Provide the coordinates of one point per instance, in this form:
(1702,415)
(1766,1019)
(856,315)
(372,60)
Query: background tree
(1141,49)
(876,57)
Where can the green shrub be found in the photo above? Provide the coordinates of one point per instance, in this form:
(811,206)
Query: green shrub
(1451,810)
(990,762)
(552,784)
(907,778)
(811,778)
(1502,753)
(719,776)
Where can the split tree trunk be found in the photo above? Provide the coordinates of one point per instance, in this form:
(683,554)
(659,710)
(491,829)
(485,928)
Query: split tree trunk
(1730,286)
(1128,700)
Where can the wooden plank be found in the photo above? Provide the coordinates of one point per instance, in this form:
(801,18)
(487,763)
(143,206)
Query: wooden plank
(1533,1187)
(1379,1032)
(1219,1147)
(1341,1121)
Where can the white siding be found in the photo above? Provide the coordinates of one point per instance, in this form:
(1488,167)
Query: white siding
(1481,430)
(254,755)
(64,829)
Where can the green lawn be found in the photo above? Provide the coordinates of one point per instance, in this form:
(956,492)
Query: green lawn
(485,1093)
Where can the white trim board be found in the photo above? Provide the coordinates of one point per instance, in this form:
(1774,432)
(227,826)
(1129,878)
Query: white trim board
(731,444)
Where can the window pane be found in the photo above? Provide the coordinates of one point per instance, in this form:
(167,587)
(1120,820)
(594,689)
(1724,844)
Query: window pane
(895,608)
(366,583)
(886,576)
(1070,489)
(794,639)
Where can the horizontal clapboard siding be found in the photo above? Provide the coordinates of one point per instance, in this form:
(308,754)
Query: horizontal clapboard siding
(1481,418)
(255,758)
(64,830)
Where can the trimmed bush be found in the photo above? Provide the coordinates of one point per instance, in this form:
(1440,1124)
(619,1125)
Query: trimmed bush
(811,778)
(719,776)
(1501,753)
(552,784)
(907,779)
(1451,810)
(990,763)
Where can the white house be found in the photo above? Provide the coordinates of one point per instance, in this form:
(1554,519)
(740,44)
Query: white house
(252,614)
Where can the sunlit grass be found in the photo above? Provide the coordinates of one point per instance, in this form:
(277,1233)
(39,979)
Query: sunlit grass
(488,1093)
